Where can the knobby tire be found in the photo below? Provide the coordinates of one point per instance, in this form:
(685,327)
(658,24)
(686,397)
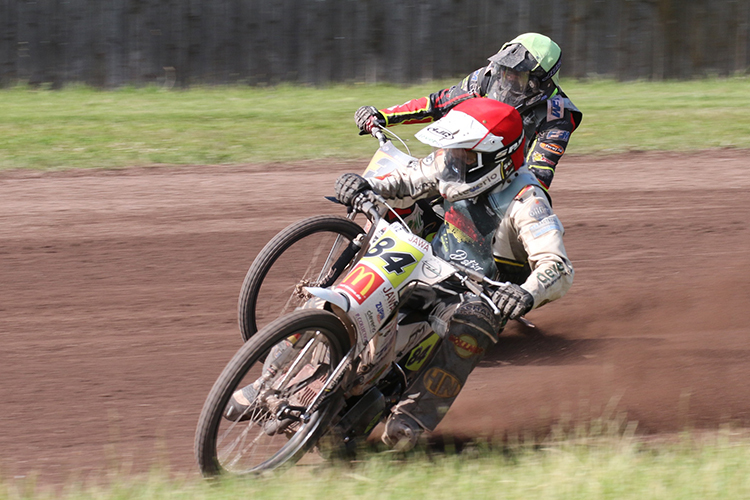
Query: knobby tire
(270,254)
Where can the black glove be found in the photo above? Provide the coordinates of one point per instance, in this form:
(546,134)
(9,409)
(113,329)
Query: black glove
(513,301)
(366,117)
(348,186)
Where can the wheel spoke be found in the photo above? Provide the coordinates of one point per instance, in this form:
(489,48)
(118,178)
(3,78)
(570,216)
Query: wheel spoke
(301,255)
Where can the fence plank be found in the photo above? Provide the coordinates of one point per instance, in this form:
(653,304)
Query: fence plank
(8,42)
(183,42)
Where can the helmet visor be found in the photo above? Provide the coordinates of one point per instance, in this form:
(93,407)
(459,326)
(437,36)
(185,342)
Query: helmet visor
(509,86)
(457,163)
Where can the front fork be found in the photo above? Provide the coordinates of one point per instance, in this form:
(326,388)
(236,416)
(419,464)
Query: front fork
(347,364)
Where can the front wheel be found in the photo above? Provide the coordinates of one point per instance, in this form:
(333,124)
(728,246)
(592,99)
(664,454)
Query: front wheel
(253,419)
(311,252)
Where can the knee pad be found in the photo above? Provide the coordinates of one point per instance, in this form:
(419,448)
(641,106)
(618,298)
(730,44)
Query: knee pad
(474,313)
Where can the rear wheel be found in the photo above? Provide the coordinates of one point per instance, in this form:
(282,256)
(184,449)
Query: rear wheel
(311,252)
(280,372)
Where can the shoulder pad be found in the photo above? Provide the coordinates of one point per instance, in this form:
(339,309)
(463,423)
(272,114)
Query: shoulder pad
(558,105)
(500,198)
(569,105)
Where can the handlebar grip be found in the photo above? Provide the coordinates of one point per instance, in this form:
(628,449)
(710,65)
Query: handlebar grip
(362,203)
(377,132)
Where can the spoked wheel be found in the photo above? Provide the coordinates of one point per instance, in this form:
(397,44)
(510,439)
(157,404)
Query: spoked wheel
(312,252)
(258,416)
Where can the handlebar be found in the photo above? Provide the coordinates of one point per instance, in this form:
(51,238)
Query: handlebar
(367,207)
(377,132)
(476,282)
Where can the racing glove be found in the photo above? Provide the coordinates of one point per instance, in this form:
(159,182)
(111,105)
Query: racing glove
(366,117)
(348,186)
(513,301)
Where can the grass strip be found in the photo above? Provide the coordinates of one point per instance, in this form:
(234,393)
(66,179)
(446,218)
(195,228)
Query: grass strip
(592,469)
(79,127)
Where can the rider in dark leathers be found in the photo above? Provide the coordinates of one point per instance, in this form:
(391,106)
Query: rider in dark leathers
(524,74)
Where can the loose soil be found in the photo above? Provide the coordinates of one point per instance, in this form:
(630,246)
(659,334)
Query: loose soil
(118,296)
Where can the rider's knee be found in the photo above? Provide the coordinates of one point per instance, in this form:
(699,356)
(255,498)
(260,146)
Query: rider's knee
(475,314)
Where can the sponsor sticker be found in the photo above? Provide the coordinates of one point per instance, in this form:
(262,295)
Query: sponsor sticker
(546,225)
(547,278)
(419,354)
(419,242)
(431,269)
(553,148)
(396,259)
(371,321)
(361,282)
(558,135)
(539,157)
(465,345)
(461,257)
(390,297)
(441,383)
(540,211)
(550,276)
(555,109)
(440,132)
(360,322)
(381,311)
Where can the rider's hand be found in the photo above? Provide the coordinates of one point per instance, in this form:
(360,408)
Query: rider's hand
(366,117)
(513,301)
(348,186)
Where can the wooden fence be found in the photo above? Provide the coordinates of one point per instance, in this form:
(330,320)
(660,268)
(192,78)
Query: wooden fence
(108,43)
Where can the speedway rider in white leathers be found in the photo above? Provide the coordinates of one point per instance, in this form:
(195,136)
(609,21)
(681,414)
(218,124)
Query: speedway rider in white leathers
(496,212)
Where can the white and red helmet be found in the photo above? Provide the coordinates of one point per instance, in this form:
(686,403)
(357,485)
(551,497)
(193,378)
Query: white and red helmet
(483,143)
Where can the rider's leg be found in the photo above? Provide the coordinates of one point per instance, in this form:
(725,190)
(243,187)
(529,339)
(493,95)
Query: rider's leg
(472,329)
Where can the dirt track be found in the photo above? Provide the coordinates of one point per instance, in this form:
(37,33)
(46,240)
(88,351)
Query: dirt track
(118,298)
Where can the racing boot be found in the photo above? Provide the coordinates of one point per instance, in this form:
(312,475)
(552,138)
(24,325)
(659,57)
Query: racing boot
(401,432)
(471,329)
(242,405)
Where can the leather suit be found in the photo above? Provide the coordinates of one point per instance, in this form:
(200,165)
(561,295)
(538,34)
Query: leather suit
(512,223)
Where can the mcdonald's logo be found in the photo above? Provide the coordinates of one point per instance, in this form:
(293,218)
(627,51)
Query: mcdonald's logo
(361,282)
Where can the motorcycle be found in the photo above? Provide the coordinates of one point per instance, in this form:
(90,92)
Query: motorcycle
(312,252)
(324,375)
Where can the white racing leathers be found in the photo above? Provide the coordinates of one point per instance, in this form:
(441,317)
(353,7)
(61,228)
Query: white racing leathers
(509,233)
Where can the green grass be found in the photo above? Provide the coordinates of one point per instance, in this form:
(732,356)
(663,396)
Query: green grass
(676,116)
(82,127)
(619,469)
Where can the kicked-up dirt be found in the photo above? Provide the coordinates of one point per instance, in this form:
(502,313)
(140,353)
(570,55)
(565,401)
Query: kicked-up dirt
(118,296)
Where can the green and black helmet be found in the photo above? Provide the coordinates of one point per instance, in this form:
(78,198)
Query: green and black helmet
(525,71)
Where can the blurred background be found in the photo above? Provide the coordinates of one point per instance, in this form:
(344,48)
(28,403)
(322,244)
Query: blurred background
(110,43)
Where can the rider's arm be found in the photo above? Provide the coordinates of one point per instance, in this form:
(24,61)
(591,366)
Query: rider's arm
(404,186)
(436,105)
(551,140)
(541,234)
